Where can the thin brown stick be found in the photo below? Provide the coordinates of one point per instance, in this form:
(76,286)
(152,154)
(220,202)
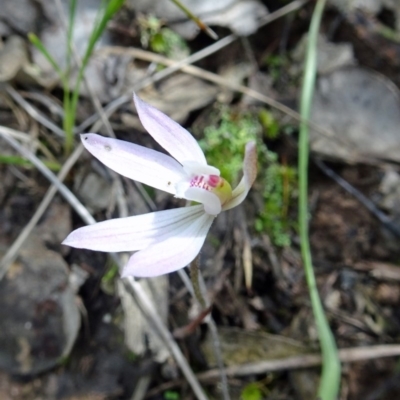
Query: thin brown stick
(13,250)
(348,355)
(200,293)
(213,48)
(218,80)
(142,297)
(194,276)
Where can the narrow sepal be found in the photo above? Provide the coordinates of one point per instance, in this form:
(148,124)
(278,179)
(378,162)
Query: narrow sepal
(249,176)
(169,134)
(136,162)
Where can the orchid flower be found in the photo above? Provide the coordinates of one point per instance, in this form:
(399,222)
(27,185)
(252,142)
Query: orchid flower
(171,239)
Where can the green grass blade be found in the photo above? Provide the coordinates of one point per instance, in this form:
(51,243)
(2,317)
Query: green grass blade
(331,368)
(67,97)
(70,30)
(106,12)
(110,9)
(40,46)
(22,162)
(64,79)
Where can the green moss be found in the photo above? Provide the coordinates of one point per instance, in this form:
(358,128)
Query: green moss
(275,64)
(253,391)
(171,395)
(224,142)
(280,182)
(108,279)
(161,39)
(22,162)
(131,356)
(269,123)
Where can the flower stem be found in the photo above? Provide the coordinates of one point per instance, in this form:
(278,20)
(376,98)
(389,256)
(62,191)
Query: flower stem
(330,378)
(194,277)
(199,291)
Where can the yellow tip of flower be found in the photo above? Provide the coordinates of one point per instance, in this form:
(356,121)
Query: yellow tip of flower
(220,187)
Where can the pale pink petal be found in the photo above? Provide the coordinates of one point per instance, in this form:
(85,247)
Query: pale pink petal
(136,162)
(169,134)
(211,202)
(171,254)
(133,233)
(249,176)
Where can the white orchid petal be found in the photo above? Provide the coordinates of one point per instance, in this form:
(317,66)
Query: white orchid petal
(211,202)
(249,176)
(169,134)
(180,189)
(193,168)
(173,253)
(135,162)
(133,233)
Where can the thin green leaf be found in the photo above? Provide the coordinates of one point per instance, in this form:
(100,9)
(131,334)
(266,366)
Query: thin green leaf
(331,368)
(106,12)
(110,9)
(71,23)
(40,46)
(22,162)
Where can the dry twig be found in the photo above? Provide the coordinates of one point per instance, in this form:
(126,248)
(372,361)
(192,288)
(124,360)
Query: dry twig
(349,355)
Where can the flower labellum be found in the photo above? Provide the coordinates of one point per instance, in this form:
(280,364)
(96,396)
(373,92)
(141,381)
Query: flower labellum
(164,241)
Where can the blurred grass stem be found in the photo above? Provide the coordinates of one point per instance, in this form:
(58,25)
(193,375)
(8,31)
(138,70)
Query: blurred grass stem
(330,377)
(197,288)
(70,101)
